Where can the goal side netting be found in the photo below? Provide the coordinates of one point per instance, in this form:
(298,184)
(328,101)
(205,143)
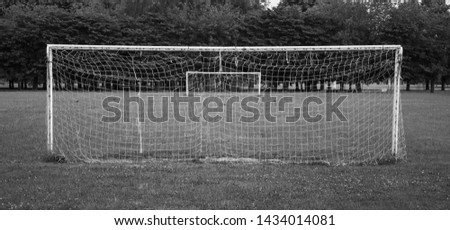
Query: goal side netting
(333,104)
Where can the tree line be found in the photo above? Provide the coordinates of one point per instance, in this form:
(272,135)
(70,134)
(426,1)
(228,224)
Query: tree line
(423,31)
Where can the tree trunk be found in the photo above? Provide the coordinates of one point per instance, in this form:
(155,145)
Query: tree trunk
(358,87)
(108,85)
(11,84)
(443,83)
(427,84)
(297,86)
(314,86)
(408,85)
(307,86)
(285,86)
(35,83)
(432,86)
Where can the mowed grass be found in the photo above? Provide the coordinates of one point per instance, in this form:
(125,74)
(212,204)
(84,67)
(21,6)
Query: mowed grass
(364,135)
(28,182)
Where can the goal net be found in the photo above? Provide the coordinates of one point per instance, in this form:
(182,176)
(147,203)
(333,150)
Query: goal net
(325,104)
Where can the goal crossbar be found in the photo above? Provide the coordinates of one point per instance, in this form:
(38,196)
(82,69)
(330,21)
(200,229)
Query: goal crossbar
(221,48)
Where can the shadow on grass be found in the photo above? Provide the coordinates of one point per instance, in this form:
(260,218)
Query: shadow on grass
(54,159)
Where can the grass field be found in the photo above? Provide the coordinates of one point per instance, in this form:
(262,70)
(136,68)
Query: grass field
(365,136)
(28,182)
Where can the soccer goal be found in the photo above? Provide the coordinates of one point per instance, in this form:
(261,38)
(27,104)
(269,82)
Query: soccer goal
(323,104)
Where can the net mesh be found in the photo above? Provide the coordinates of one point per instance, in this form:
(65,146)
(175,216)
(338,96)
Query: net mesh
(301,106)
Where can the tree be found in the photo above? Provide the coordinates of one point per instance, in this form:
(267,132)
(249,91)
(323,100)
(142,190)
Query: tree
(28,28)
(421,31)
(304,4)
(439,37)
(355,22)
(23,44)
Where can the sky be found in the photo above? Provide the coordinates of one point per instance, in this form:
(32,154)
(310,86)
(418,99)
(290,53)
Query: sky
(273,3)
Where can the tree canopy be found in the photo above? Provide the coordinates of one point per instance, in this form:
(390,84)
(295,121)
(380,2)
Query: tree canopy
(421,29)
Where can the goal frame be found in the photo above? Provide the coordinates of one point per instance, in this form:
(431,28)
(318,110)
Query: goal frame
(396,81)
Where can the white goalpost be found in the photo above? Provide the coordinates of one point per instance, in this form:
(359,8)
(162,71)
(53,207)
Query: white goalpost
(333,105)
